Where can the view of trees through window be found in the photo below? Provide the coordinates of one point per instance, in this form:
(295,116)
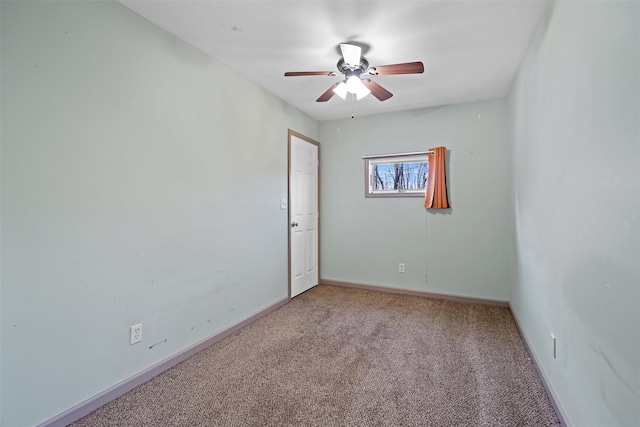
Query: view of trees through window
(399,176)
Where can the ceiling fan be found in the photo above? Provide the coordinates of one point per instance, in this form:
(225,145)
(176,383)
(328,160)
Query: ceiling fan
(353,65)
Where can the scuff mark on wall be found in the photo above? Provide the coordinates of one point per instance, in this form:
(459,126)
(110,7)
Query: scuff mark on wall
(164,341)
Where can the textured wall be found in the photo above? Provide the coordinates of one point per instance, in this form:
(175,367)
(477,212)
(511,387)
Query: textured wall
(461,251)
(574,160)
(140,183)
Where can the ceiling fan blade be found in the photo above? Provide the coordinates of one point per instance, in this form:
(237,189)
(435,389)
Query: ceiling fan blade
(328,94)
(405,68)
(376,90)
(351,54)
(309,73)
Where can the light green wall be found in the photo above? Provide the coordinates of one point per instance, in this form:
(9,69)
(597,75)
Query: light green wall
(574,138)
(461,251)
(140,183)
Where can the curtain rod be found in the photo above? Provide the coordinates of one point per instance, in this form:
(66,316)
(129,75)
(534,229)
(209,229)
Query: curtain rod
(374,156)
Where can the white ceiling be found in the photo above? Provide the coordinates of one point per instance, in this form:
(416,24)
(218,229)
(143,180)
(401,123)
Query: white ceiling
(471,49)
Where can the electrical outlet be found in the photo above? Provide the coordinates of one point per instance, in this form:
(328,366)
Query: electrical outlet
(136,333)
(401,268)
(553,339)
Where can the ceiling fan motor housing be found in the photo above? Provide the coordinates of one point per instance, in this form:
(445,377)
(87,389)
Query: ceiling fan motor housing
(348,71)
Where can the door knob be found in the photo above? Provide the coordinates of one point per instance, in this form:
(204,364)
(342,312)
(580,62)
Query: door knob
(294,224)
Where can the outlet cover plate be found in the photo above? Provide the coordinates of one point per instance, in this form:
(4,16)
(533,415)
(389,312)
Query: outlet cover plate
(135,334)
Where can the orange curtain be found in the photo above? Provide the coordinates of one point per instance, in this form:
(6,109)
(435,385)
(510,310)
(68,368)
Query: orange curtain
(436,192)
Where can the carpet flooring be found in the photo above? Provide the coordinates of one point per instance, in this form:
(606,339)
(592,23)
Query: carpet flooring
(338,356)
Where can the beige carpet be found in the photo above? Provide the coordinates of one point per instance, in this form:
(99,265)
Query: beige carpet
(347,357)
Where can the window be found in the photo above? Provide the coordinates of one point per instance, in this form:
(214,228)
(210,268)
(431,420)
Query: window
(399,175)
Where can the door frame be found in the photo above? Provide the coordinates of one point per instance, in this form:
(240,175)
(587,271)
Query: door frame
(291,133)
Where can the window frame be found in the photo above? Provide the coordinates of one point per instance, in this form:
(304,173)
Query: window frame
(421,157)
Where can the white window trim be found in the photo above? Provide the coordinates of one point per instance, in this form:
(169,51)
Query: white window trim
(369,161)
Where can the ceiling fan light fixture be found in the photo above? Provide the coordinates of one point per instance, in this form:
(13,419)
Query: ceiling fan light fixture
(341,90)
(362,92)
(354,85)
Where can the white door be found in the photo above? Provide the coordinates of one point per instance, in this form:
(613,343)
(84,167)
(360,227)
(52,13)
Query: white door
(303,213)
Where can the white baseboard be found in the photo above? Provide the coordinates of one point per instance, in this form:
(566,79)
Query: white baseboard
(552,397)
(449,297)
(101,399)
